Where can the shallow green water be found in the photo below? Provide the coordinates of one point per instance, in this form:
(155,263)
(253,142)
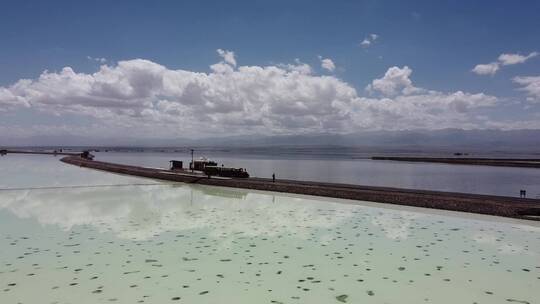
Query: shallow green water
(127,240)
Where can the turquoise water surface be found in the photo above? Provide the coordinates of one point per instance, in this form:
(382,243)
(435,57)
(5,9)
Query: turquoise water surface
(74,235)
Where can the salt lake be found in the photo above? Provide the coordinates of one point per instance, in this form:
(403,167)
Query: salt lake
(74,235)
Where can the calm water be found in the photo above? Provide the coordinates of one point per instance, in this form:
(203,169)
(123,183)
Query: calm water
(130,240)
(443,177)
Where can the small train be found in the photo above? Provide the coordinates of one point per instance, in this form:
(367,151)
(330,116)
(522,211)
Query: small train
(209,168)
(225,172)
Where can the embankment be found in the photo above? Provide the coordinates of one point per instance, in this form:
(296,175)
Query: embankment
(484,204)
(499,162)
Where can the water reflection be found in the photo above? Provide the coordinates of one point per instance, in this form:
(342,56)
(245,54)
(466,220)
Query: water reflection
(31,171)
(395,225)
(156,243)
(141,212)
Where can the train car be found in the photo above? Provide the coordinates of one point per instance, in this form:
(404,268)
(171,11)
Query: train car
(226,172)
(201,163)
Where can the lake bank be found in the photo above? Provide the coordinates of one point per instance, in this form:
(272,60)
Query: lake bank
(497,162)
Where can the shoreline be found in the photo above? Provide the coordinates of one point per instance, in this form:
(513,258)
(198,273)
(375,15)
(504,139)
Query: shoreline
(496,162)
(5,152)
(522,208)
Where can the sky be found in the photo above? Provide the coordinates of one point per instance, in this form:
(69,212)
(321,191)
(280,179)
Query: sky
(179,69)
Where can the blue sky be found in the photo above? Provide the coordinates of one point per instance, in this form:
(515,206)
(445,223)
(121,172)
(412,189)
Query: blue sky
(440,41)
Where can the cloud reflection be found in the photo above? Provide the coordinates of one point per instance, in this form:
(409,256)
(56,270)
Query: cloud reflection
(140,212)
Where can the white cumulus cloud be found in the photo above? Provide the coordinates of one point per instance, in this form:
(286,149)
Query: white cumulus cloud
(509,59)
(369,40)
(486,69)
(531,85)
(145,98)
(395,81)
(365,43)
(98,59)
(327,64)
(227,56)
(503,60)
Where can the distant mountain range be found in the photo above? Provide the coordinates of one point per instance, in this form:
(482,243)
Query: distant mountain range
(420,140)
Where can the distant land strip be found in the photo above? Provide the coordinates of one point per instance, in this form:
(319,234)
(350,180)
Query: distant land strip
(39,152)
(514,207)
(500,162)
